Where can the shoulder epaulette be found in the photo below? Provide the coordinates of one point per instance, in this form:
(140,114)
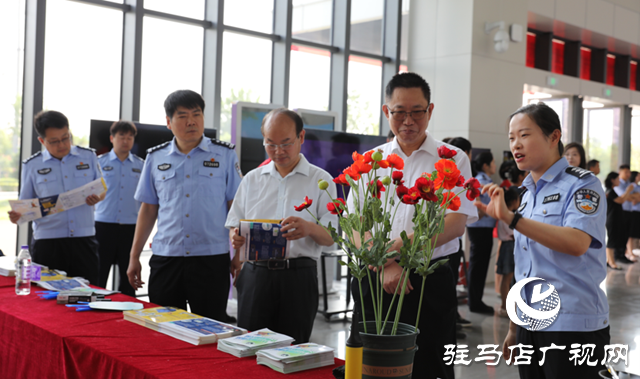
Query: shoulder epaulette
(137,157)
(86,148)
(578,172)
(222,143)
(156,148)
(523,191)
(31,157)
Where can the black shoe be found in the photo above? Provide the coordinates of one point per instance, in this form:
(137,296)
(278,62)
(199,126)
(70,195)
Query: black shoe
(231,320)
(624,259)
(614,268)
(460,336)
(464,323)
(458,327)
(483,308)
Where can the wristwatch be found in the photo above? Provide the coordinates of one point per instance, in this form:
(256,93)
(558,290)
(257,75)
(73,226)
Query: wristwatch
(516,217)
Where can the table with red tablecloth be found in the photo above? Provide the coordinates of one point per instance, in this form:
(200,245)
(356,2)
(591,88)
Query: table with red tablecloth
(41,339)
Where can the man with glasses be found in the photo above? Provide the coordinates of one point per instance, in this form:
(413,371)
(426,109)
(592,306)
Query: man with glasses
(187,185)
(65,240)
(282,295)
(408,109)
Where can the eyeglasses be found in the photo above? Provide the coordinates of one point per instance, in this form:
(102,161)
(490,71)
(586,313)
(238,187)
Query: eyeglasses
(415,115)
(56,143)
(274,147)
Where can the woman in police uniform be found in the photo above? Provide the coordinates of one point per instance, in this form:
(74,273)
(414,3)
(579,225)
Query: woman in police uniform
(560,238)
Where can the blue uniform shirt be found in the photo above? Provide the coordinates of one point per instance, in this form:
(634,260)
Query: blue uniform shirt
(121,177)
(486,221)
(627,206)
(43,175)
(192,191)
(573,197)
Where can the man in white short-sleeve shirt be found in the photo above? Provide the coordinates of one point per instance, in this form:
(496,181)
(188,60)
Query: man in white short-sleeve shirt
(282,295)
(408,109)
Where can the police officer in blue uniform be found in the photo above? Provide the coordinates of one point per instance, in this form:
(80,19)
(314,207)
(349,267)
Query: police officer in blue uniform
(116,216)
(187,185)
(559,237)
(65,240)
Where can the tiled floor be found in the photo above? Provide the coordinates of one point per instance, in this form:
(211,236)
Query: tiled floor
(623,291)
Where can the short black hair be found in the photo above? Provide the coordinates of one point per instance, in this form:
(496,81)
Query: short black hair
(484,158)
(625,167)
(608,182)
(289,113)
(510,195)
(447,140)
(581,153)
(407,80)
(461,143)
(182,98)
(592,163)
(545,117)
(49,119)
(123,127)
(391,135)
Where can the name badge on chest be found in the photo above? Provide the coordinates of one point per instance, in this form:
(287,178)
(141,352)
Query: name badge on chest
(44,171)
(164,166)
(136,170)
(551,198)
(82,166)
(211,164)
(107,168)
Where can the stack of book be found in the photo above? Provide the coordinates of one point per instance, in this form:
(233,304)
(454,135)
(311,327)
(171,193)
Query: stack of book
(296,358)
(7,266)
(247,345)
(185,326)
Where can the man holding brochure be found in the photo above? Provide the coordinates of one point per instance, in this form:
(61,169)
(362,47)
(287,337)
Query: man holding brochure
(187,185)
(282,294)
(64,240)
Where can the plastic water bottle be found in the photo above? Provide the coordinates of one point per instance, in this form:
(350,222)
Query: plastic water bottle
(23,272)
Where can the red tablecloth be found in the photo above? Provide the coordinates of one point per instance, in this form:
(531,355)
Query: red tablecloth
(40,339)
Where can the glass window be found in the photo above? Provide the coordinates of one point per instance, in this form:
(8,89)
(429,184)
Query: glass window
(310,78)
(171,60)
(366,26)
(184,8)
(249,14)
(364,101)
(602,138)
(246,75)
(312,20)
(82,67)
(561,107)
(12,53)
(404,37)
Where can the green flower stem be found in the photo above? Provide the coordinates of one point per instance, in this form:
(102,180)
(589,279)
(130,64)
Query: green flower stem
(364,321)
(424,279)
(373,300)
(405,273)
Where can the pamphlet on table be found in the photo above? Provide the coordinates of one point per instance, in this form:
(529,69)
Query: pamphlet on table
(248,344)
(33,209)
(296,358)
(265,240)
(183,325)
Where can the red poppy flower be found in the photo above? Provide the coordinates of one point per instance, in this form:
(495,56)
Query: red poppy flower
(397,176)
(426,188)
(395,161)
(454,205)
(341,179)
(447,174)
(473,188)
(460,181)
(413,197)
(378,190)
(306,204)
(356,157)
(367,156)
(337,206)
(352,172)
(361,167)
(505,184)
(446,153)
(401,190)
(382,164)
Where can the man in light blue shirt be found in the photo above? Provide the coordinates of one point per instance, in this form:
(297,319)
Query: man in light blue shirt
(187,185)
(625,255)
(116,216)
(65,240)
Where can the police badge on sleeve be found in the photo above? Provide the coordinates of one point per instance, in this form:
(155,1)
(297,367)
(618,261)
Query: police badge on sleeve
(586,200)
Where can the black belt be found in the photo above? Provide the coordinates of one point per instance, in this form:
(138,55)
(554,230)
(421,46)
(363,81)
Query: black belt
(283,264)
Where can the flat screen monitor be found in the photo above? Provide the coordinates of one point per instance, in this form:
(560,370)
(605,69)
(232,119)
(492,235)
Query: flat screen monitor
(324,120)
(148,136)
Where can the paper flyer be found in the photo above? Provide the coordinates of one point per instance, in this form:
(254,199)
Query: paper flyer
(33,209)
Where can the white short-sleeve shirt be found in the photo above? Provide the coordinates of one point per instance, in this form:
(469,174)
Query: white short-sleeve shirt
(424,160)
(265,194)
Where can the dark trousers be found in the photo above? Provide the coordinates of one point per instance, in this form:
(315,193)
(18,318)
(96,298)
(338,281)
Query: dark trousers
(620,252)
(203,282)
(437,318)
(115,242)
(454,264)
(285,301)
(77,256)
(557,363)
(481,243)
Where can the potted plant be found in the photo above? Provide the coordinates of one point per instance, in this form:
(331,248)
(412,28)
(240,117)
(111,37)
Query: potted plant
(376,200)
